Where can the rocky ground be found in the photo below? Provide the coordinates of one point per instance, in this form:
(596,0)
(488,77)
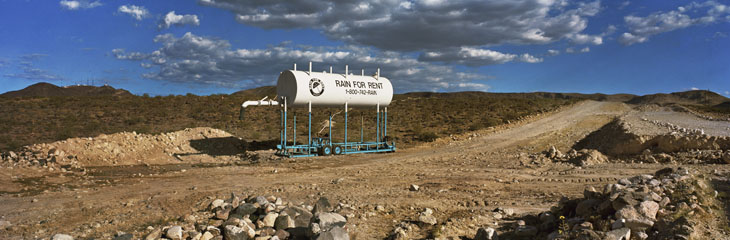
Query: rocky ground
(513,181)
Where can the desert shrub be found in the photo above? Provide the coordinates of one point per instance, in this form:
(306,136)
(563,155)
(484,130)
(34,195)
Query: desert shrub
(427,136)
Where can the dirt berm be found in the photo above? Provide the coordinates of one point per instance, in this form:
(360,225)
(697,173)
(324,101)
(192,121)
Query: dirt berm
(617,139)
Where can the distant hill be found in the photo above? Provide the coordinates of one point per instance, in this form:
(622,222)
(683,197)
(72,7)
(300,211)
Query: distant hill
(258,92)
(532,95)
(694,97)
(44,89)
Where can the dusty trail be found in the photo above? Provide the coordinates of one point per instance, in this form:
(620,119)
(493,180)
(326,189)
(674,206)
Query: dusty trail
(457,177)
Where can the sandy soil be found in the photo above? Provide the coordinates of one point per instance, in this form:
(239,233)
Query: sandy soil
(462,180)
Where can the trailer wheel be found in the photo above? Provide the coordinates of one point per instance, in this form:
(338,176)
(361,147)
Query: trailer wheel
(326,150)
(337,150)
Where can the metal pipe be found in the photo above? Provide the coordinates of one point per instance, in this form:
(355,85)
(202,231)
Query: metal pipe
(295,66)
(385,125)
(346,71)
(330,69)
(259,103)
(362,72)
(295,128)
(377,75)
(262,102)
(362,125)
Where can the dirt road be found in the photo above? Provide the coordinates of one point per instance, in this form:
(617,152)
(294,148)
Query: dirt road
(458,179)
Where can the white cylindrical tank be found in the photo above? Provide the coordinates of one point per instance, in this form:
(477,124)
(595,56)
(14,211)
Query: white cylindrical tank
(333,89)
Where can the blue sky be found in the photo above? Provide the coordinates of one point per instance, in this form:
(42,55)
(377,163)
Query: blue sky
(222,46)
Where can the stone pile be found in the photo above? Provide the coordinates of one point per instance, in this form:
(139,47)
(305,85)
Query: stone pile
(34,156)
(656,206)
(676,129)
(583,157)
(260,218)
(691,156)
(200,144)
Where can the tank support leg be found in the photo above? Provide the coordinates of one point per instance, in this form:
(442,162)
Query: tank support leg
(377,124)
(330,123)
(285,119)
(309,148)
(344,149)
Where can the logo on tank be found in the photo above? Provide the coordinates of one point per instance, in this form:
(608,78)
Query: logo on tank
(316,87)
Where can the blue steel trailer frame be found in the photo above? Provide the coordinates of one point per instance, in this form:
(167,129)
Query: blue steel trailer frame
(325,146)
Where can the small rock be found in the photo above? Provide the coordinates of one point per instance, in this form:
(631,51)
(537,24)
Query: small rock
(174,233)
(322,205)
(624,182)
(484,234)
(222,214)
(207,236)
(414,187)
(216,203)
(328,220)
(284,222)
(639,224)
(155,234)
(619,234)
(336,233)
(60,236)
(525,231)
(427,217)
(270,219)
(618,224)
(261,200)
(123,236)
(232,232)
(509,211)
(4,224)
(648,209)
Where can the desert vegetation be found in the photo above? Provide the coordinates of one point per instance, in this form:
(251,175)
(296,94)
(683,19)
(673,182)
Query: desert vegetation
(411,119)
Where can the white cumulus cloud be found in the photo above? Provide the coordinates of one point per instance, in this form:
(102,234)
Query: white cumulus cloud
(475,57)
(137,12)
(80,4)
(172,19)
(641,28)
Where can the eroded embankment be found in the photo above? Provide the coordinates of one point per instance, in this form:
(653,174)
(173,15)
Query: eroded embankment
(618,140)
(191,145)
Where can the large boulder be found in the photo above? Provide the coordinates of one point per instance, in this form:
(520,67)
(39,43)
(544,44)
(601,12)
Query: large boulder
(328,220)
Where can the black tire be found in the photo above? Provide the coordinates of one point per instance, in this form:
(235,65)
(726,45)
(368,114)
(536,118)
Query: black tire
(337,150)
(325,150)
